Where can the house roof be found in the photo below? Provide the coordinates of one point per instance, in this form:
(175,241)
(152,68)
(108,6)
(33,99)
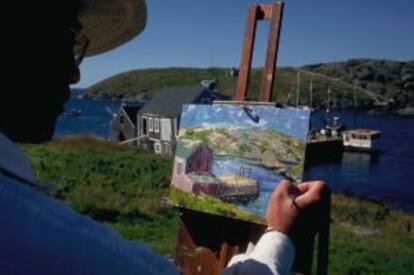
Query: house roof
(131,111)
(168,102)
(184,150)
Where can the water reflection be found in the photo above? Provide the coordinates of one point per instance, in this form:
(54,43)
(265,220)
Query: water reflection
(359,158)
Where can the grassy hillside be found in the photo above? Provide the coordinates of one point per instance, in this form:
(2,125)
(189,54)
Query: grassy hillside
(390,79)
(124,188)
(386,79)
(145,83)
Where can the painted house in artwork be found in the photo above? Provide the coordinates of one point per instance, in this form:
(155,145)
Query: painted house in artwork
(193,173)
(193,170)
(158,121)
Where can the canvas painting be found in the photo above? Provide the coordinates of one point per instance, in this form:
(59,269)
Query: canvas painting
(229,158)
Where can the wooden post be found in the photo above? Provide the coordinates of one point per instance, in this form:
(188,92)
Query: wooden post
(274,13)
(324,234)
(246,58)
(272,50)
(205,242)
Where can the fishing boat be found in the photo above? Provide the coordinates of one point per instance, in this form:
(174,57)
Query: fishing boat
(361,140)
(324,145)
(73,112)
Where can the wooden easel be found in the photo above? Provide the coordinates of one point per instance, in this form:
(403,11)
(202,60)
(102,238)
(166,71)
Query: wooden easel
(205,242)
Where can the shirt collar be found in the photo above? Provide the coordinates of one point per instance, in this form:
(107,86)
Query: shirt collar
(13,161)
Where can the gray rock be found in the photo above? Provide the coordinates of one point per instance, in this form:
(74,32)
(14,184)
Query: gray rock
(407,111)
(409,85)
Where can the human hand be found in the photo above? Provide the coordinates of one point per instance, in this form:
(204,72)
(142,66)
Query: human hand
(288,200)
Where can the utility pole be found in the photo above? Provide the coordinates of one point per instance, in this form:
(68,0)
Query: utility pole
(311,93)
(355,104)
(328,109)
(297,89)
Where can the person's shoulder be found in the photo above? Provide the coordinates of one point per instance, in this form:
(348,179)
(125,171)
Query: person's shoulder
(40,226)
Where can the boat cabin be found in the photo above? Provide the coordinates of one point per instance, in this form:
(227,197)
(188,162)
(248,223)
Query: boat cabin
(361,139)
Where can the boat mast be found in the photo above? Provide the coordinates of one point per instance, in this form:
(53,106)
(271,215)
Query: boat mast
(289,97)
(355,105)
(311,93)
(328,109)
(298,90)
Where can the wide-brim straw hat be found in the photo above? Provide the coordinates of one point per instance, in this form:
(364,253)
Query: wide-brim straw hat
(110,23)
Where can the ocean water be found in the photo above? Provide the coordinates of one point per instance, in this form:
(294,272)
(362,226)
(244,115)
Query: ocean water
(388,177)
(95,118)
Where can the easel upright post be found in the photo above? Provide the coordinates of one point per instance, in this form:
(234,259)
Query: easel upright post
(246,58)
(272,12)
(272,50)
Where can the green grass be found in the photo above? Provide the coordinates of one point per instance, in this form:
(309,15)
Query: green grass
(120,186)
(369,238)
(379,253)
(124,188)
(158,232)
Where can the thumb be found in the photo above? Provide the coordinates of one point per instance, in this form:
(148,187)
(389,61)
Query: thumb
(312,192)
(282,187)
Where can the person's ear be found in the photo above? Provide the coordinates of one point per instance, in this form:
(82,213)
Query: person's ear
(74,75)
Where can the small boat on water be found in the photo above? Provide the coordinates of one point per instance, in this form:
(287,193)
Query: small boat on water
(73,112)
(325,145)
(361,140)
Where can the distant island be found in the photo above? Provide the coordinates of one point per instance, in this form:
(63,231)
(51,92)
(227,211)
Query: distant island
(379,84)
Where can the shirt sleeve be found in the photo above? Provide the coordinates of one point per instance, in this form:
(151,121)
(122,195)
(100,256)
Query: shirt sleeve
(273,254)
(39,235)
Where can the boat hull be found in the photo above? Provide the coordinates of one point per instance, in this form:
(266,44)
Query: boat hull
(321,152)
(370,150)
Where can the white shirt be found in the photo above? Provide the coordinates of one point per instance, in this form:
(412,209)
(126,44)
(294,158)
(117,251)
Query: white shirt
(40,235)
(273,254)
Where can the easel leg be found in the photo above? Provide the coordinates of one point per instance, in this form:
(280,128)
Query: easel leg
(323,238)
(205,242)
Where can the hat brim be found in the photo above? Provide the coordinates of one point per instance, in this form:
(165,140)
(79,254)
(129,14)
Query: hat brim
(111,23)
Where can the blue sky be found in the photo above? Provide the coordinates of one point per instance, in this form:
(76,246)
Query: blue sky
(205,33)
(292,122)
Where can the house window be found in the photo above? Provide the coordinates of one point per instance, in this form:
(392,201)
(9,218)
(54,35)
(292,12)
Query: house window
(150,124)
(144,126)
(167,149)
(157,148)
(156,125)
(121,119)
(177,126)
(180,168)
